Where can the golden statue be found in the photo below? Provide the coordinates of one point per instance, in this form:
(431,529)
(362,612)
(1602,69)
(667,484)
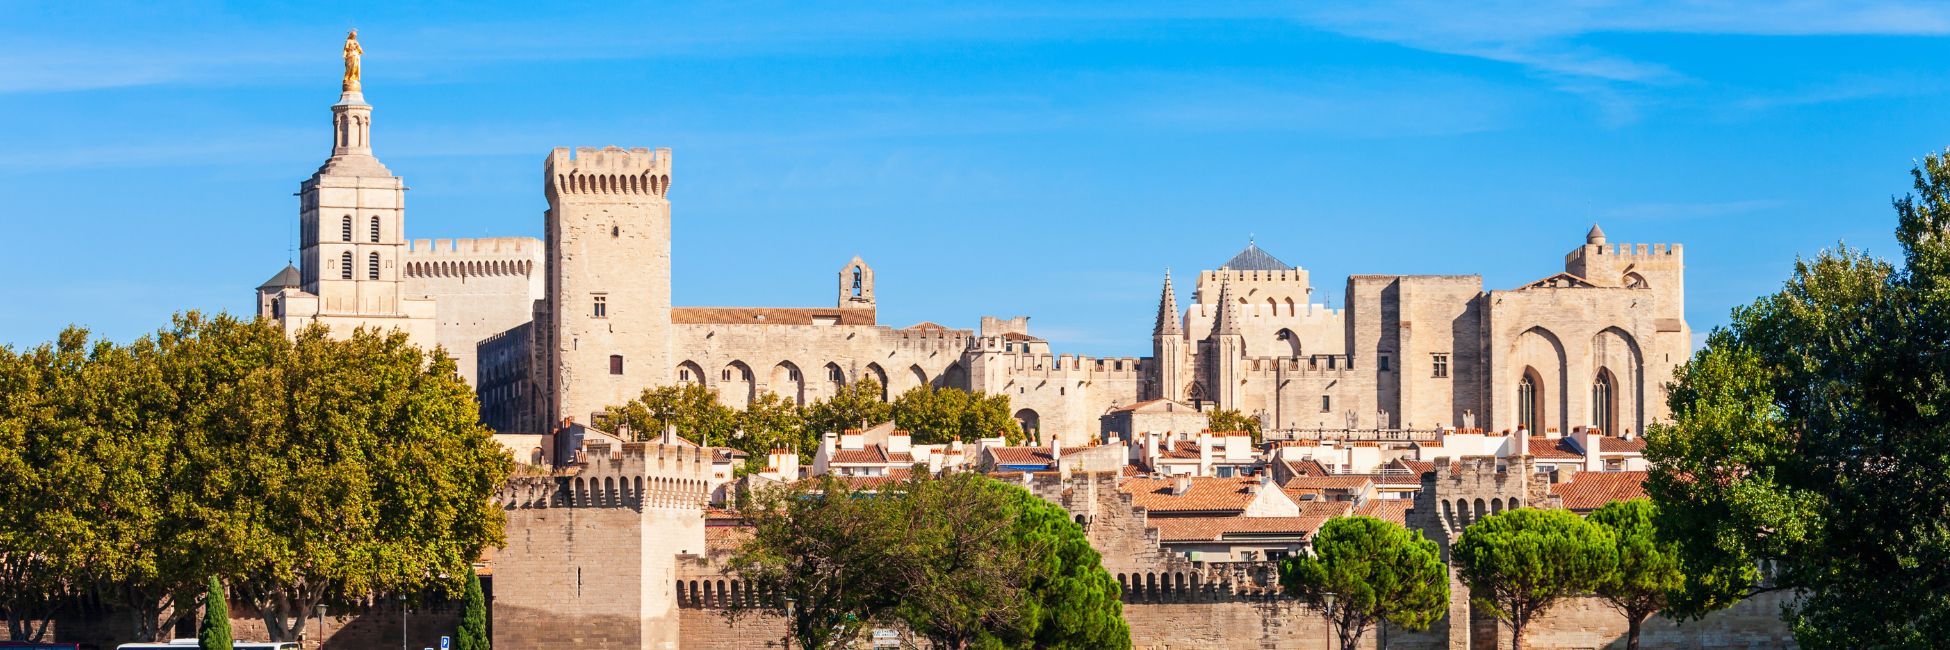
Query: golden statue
(352,52)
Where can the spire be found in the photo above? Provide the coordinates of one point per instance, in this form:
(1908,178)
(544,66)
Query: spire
(1167,311)
(1596,236)
(1228,322)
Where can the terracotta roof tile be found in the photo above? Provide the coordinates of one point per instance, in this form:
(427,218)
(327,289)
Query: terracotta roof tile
(1611,445)
(1335,482)
(1019,336)
(1307,467)
(872,455)
(766,315)
(1211,529)
(1027,455)
(1395,510)
(1206,494)
(926,326)
(1558,448)
(1592,490)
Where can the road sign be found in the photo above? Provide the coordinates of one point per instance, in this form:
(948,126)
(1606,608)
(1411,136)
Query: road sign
(885,638)
(445,643)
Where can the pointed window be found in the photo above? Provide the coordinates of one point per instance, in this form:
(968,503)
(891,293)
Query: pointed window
(1527,404)
(1601,401)
(345,265)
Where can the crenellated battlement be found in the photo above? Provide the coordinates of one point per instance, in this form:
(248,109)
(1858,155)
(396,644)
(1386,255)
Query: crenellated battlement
(464,258)
(1288,275)
(636,476)
(1322,364)
(1646,251)
(609,171)
(1072,365)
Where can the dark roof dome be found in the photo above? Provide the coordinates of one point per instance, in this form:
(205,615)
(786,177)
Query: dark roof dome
(1254,259)
(289,277)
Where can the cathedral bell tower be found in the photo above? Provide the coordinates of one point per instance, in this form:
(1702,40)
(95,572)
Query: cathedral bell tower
(1168,348)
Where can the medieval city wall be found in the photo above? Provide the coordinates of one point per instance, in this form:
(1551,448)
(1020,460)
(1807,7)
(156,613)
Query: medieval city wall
(719,355)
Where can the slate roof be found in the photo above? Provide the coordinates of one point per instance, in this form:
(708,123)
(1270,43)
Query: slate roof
(1254,259)
(1592,490)
(289,277)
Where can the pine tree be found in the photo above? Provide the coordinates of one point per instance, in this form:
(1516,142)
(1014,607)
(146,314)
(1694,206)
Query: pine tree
(473,618)
(214,633)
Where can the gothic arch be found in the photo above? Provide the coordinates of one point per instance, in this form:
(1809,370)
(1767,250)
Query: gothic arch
(1285,341)
(835,378)
(689,372)
(956,376)
(920,376)
(1617,352)
(1539,353)
(736,387)
(789,382)
(876,373)
(1031,423)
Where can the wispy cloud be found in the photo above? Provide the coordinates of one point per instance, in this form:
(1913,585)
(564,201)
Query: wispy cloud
(1548,39)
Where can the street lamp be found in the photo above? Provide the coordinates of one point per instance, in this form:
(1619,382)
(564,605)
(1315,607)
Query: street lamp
(402,622)
(789,602)
(1330,619)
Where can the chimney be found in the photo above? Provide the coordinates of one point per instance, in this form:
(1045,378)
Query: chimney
(1205,453)
(899,442)
(1055,450)
(1183,485)
(670,434)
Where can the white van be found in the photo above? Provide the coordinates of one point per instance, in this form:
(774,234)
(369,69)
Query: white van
(180,644)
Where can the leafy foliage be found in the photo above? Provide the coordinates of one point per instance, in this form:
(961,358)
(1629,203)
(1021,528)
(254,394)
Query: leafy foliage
(855,406)
(298,470)
(938,415)
(214,632)
(1518,563)
(473,617)
(692,408)
(1228,420)
(1372,570)
(961,559)
(1812,436)
(1647,569)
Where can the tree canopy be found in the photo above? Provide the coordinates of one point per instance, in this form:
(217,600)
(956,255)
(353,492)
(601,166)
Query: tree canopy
(1809,435)
(299,470)
(938,415)
(1363,571)
(1225,420)
(1518,563)
(961,559)
(1647,569)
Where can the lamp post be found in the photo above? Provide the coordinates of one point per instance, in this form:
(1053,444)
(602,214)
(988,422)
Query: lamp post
(1330,620)
(789,602)
(402,622)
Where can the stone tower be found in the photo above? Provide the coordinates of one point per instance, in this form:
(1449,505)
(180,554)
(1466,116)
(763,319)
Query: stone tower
(1228,348)
(856,285)
(351,216)
(1167,347)
(608,287)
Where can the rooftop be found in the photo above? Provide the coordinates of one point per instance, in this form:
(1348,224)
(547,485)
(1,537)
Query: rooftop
(1254,259)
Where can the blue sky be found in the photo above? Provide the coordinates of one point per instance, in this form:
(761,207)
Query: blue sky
(997,159)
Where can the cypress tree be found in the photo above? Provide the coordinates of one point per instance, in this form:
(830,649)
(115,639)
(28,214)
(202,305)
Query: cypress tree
(214,633)
(473,618)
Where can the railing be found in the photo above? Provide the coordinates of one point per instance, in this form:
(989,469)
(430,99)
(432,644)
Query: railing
(1355,435)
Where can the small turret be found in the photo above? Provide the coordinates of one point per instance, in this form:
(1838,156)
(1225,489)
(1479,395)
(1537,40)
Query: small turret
(1596,236)
(1228,322)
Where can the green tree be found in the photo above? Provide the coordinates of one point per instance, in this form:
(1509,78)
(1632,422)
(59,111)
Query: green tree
(1233,420)
(1518,563)
(368,471)
(770,422)
(692,408)
(826,548)
(1073,603)
(1647,569)
(964,571)
(473,618)
(1364,571)
(1808,436)
(214,632)
(854,406)
(37,573)
(938,415)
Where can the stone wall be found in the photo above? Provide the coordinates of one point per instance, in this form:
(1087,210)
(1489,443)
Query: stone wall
(368,627)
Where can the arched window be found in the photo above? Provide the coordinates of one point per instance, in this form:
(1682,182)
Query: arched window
(345,265)
(375,230)
(345,228)
(372,266)
(1601,401)
(1527,403)
(856,282)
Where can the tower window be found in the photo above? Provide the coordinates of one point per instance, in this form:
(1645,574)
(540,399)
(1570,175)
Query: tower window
(1601,406)
(1527,404)
(372,266)
(602,307)
(1326,403)
(615,364)
(1382,362)
(345,265)
(345,228)
(1440,364)
(375,230)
